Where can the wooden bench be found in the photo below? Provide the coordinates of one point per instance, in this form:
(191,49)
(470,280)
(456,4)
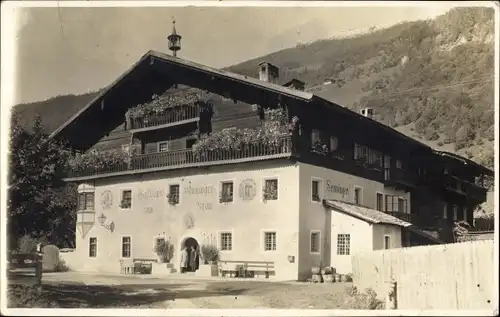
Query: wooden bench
(244,269)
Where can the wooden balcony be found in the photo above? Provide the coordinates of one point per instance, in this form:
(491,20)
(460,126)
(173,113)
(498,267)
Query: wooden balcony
(172,117)
(464,188)
(187,158)
(400,178)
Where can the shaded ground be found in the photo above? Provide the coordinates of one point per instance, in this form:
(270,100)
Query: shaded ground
(136,293)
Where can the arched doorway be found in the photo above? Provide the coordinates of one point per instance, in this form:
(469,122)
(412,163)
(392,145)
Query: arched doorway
(193,248)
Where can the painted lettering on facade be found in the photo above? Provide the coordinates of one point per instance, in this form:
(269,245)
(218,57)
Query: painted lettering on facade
(150,194)
(336,189)
(148,210)
(200,190)
(204,206)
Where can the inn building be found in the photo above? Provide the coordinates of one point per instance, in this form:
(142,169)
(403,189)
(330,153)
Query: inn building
(259,168)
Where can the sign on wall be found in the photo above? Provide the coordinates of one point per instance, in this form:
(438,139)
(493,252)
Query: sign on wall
(206,190)
(150,194)
(337,189)
(248,189)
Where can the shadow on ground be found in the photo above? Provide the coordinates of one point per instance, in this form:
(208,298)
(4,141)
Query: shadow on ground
(98,296)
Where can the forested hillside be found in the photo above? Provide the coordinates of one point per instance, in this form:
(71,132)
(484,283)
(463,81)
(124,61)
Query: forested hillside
(432,80)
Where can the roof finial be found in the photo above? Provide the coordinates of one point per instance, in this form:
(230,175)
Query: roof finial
(174,40)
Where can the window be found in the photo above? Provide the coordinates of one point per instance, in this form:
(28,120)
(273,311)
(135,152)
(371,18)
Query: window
(271,189)
(380,201)
(455,212)
(375,158)
(126,202)
(334,143)
(226,241)
(399,164)
(464,210)
(391,203)
(173,194)
(445,211)
(163,146)
(226,192)
(357,196)
(315,136)
(269,241)
(360,152)
(315,241)
(92,247)
(387,242)
(343,244)
(86,201)
(401,205)
(126,247)
(315,190)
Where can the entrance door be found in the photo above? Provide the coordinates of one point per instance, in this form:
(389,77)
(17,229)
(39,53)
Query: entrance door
(193,248)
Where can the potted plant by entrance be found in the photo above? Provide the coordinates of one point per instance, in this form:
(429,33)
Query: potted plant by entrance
(165,251)
(210,255)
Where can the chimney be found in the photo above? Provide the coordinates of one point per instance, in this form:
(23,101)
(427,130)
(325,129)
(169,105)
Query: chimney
(268,72)
(367,112)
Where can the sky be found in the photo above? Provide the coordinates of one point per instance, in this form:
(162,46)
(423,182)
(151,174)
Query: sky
(75,50)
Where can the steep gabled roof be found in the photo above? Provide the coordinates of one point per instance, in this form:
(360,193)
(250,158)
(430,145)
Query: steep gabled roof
(147,65)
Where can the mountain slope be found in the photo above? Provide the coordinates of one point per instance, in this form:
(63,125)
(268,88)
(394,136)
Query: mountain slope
(432,80)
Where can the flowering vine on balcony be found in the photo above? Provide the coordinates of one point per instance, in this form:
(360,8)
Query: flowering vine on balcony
(274,128)
(98,160)
(160,104)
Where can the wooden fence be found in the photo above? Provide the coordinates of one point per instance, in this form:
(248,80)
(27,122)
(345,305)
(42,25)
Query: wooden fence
(449,276)
(24,268)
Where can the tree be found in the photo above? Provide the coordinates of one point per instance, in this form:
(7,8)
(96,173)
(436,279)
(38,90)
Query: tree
(40,204)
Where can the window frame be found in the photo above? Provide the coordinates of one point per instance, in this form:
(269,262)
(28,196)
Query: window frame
(274,243)
(332,137)
(178,201)
(387,242)
(345,246)
(122,198)
(84,200)
(264,187)
(360,196)
(377,195)
(219,236)
(90,247)
(159,145)
(122,248)
(311,233)
(221,191)
(319,181)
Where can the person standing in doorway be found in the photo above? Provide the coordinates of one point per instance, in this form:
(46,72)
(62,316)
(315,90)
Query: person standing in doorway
(184,260)
(192,259)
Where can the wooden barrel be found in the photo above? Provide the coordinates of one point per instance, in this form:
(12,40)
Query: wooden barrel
(317,278)
(328,278)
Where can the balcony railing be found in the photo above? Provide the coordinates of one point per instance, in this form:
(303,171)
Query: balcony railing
(401,215)
(187,158)
(172,115)
(464,188)
(400,177)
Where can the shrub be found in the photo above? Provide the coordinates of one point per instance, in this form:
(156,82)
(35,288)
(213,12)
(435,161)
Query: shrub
(61,266)
(210,252)
(165,250)
(366,300)
(28,244)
